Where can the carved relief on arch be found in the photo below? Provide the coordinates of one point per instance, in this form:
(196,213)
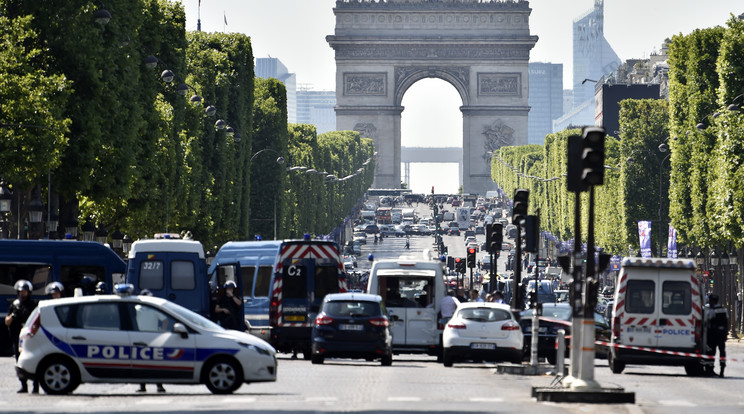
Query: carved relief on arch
(498,135)
(457,76)
(366,130)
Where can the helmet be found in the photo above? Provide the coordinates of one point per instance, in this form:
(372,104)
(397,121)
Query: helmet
(101,288)
(23,284)
(230,284)
(87,283)
(54,287)
(145,292)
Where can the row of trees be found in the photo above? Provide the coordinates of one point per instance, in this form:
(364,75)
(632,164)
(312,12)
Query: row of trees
(698,185)
(84,118)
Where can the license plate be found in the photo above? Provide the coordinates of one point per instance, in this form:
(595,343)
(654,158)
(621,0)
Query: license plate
(348,327)
(482,346)
(294,318)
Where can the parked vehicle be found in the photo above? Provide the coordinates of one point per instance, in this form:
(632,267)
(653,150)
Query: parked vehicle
(173,269)
(557,316)
(128,339)
(482,331)
(658,304)
(352,325)
(75,264)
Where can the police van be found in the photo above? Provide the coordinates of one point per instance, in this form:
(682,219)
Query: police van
(251,264)
(412,289)
(75,264)
(305,271)
(173,269)
(658,310)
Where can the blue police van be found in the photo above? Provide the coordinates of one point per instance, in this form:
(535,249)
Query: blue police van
(75,264)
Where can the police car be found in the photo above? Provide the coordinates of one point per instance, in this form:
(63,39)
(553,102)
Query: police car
(136,339)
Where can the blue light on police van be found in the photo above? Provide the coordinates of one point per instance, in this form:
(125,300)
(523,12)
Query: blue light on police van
(123,289)
(307,236)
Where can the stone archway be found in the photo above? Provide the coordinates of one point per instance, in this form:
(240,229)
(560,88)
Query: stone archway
(481,47)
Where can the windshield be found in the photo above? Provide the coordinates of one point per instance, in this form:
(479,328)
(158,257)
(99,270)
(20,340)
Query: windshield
(556,312)
(192,318)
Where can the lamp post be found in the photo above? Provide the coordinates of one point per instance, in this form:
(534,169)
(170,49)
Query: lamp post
(662,148)
(5,203)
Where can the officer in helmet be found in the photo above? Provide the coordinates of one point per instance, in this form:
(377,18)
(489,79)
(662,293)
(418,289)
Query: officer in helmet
(54,290)
(88,284)
(101,288)
(228,307)
(18,313)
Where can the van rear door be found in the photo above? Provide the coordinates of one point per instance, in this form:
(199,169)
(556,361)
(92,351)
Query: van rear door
(409,296)
(226,272)
(639,315)
(173,276)
(679,310)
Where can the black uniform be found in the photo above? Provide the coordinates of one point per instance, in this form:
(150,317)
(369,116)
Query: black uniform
(718,322)
(21,310)
(230,321)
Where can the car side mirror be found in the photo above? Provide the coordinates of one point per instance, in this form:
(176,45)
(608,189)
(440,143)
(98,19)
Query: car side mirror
(180,328)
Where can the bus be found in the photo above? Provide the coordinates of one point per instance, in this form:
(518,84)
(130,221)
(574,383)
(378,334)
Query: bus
(384,215)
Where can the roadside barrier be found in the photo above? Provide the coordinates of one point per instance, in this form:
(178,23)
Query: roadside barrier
(665,352)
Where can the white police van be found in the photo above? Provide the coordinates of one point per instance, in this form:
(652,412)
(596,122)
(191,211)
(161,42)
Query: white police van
(136,339)
(658,315)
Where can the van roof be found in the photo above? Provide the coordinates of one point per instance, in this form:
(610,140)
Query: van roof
(166,245)
(243,250)
(658,262)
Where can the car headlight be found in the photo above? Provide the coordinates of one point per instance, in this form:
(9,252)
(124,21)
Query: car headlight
(258,349)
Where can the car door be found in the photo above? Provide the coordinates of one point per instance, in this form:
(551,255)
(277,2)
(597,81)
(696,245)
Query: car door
(98,339)
(159,354)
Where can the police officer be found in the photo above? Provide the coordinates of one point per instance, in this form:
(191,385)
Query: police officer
(717,322)
(101,288)
(54,290)
(228,307)
(18,312)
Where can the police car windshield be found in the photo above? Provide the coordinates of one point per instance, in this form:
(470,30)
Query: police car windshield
(192,318)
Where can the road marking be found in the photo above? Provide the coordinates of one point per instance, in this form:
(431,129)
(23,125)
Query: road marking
(677,403)
(484,399)
(404,399)
(239,400)
(154,401)
(321,399)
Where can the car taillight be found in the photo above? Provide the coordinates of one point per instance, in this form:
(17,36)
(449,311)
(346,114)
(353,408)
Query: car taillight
(323,320)
(35,324)
(456,326)
(274,311)
(510,326)
(378,322)
(616,327)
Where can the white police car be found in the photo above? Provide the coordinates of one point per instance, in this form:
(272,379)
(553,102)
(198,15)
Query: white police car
(136,339)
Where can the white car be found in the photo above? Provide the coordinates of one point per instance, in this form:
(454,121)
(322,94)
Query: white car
(482,331)
(136,339)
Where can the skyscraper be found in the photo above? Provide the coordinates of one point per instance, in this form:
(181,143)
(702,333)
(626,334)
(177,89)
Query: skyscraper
(274,68)
(316,107)
(593,58)
(545,100)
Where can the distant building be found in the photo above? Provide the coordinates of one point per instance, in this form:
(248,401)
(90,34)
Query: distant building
(545,100)
(316,107)
(593,58)
(274,68)
(608,99)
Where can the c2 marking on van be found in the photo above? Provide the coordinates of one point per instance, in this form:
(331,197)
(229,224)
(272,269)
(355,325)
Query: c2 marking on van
(295,270)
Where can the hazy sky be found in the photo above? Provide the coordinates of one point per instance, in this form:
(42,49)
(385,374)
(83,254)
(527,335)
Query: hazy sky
(294,31)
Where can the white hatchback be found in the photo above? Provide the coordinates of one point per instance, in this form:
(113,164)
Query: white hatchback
(136,339)
(482,331)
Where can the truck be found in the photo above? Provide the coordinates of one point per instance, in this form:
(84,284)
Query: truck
(463,217)
(75,264)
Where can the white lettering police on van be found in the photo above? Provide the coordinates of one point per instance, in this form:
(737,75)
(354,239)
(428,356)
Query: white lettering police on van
(666,331)
(129,352)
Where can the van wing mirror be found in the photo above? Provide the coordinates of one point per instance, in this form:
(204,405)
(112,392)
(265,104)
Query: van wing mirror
(180,328)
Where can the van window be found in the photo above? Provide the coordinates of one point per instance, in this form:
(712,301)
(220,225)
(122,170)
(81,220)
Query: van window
(71,276)
(247,274)
(294,282)
(406,292)
(263,281)
(676,298)
(151,275)
(183,275)
(38,274)
(326,280)
(639,296)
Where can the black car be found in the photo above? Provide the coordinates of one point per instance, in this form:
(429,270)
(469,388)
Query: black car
(558,316)
(352,325)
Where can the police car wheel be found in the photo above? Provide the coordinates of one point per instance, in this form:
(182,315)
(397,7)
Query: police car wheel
(223,376)
(58,376)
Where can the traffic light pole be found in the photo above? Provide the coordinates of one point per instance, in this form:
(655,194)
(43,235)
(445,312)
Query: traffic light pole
(516,298)
(575,293)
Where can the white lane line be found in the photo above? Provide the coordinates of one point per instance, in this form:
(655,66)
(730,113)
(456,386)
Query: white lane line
(485,399)
(321,399)
(677,403)
(154,401)
(239,400)
(404,399)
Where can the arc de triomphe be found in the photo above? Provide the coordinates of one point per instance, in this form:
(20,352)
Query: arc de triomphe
(481,47)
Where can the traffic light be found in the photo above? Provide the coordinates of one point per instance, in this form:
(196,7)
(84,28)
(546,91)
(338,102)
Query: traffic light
(532,233)
(494,238)
(432,189)
(573,162)
(592,159)
(459,265)
(471,257)
(519,210)
(451,263)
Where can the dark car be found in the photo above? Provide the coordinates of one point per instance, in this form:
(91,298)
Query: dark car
(558,316)
(352,325)
(372,228)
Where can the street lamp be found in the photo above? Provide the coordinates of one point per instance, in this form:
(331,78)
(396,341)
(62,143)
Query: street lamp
(71,228)
(126,244)
(700,259)
(117,238)
(6,196)
(101,234)
(35,207)
(89,230)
